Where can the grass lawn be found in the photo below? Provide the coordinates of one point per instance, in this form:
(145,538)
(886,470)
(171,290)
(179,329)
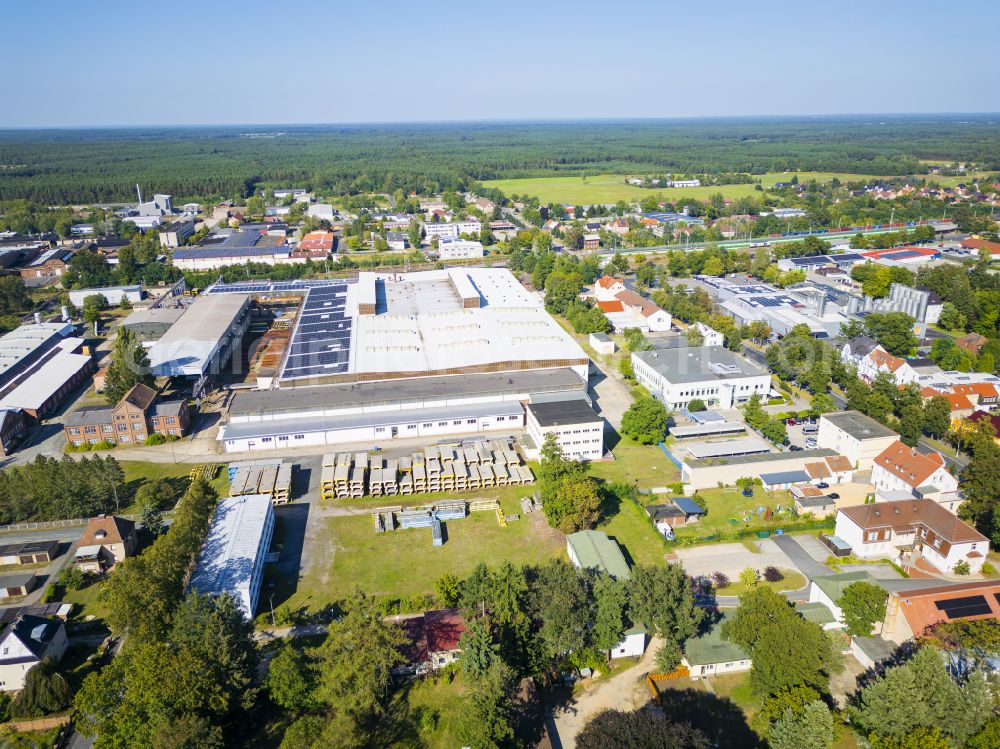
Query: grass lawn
(737,688)
(632,530)
(440,700)
(792,581)
(404,563)
(645,466)
(138,472)
(729,503)
(86,602)
(610,188)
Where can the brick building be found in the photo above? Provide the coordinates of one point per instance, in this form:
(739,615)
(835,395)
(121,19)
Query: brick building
(137,415)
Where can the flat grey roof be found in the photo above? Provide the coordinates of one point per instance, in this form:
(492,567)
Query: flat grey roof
(602,337)
(727,448)
(562,413)
(802,455)
(415,390)
(707,430)
(312,424)
(784,477)
(698,364)
(858,425)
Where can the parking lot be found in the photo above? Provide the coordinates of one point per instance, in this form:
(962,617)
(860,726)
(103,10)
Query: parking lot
(798,438)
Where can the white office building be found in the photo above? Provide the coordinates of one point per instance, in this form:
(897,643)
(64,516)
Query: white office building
(454,229)
(715,376)
(232,558)
(451,248)
(579,431)
(857,437)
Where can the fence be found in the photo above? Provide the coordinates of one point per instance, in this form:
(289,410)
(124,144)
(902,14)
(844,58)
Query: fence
(45,524)
(755,531)
(670,455)
(36,724)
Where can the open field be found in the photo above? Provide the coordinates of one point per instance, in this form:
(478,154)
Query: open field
(610,188)
(403,563)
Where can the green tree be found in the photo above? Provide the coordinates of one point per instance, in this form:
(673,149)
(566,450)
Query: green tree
(790,699)
(448,589)
(45,691)
(14,296)
(749,578)
(937,416)
(988,737)
(487,719)
(645,421)
(662,600)
(129,366)
(775,431)
(821,404)
(478,649)
(796,652)
(610,603)
(356,660)
(911,425)
(574,506)
(863,605)
(753,412)
(615,729)
(290,679)
(304,733)
(921,693)
(951,318)
(893,331)
(695,405)
(810,729)
(561,602)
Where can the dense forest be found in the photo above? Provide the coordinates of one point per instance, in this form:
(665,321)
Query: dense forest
(93,166)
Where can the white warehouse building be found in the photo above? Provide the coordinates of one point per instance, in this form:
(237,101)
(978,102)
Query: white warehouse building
(231,560)
(715,376)
(455,229)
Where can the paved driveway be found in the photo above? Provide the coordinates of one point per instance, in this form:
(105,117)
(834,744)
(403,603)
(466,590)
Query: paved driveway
(802,560)
(731,559)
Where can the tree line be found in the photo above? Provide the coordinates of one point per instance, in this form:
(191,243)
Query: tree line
(58,489)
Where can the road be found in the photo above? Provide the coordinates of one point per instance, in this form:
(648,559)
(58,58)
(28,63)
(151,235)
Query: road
(800,558)
(624,691)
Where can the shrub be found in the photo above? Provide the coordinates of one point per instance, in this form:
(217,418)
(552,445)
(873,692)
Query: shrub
(988,569)
(749,577)
(72,578)
(773,575)
(104,445)
(720,579)
(962,568)
(48,596)
(155,439)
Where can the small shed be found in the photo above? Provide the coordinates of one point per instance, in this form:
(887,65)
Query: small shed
(870,651)
(602,343)
(783,479)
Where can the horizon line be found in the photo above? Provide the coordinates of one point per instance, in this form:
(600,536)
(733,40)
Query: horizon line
(494,121)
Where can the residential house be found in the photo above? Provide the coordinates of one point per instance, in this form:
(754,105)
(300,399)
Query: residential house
(106,540)
(856,349)
(433,641)
(636,312)
(137,415)
(881,361)
(24,643)
(593,550)
(676,513)
(591,242)
(607,288)
(13,428)
(710,655)
(859,438)
(911,531)
(899,468)
(983,395)
(709,336)
(910,612)
(619,226)
(397,240)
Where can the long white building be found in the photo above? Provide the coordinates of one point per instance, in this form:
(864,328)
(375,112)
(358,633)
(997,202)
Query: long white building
(232,558)
(203,338)
(454,229)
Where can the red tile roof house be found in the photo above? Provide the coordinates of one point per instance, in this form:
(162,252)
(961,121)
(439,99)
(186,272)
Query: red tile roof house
(899,468)
(909,530)
(434,637)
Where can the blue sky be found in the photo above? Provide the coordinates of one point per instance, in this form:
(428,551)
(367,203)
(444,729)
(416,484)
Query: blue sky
(308,61)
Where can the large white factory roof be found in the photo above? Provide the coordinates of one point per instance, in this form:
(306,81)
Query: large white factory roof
(450,321)
(228,557)
(187,349)
(22,342)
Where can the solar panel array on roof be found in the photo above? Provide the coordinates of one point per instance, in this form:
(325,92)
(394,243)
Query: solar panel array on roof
(321,341)
(903,255)
(268,287)
(957,608)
